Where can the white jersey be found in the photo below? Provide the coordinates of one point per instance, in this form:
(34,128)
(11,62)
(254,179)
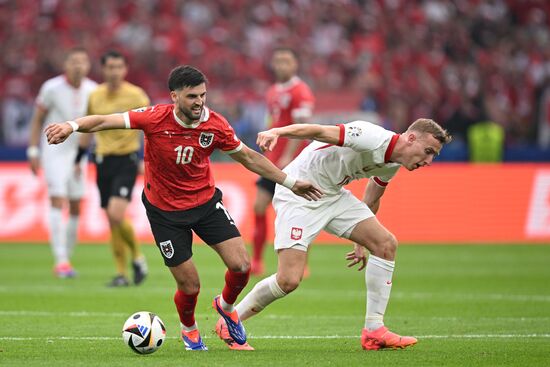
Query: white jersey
(63,102)
(363,151)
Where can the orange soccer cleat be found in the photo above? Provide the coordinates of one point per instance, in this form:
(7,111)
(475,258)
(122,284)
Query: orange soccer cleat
(382,338)
(223,333)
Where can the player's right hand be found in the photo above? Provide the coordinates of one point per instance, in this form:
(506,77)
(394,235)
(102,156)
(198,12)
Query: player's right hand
(58,133)
(34,162)
(267,140)
(357,256)
(307,190)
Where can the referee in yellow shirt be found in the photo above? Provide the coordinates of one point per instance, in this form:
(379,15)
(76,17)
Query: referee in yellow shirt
(117,162)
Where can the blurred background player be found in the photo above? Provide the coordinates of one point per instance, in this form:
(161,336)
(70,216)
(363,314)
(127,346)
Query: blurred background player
(117,162)
(289,101)
(64,97)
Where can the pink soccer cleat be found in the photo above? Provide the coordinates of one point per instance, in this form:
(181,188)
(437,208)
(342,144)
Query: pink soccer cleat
(382,338)
(223,333)
(64,270)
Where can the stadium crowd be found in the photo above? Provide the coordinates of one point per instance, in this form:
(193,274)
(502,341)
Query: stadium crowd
(458,62)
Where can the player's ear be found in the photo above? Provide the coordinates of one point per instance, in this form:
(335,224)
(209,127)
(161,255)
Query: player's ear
(174,96)
(411,137)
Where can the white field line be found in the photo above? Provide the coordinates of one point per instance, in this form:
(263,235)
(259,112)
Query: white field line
(90,314)
(293,337)
(312,293)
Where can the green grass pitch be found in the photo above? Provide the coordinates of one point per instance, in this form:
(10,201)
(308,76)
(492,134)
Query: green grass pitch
(468,306)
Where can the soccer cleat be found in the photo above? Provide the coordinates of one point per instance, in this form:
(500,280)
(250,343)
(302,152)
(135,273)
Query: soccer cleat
(140,270)
(118,281)
(257,267)
(192,340)
(223,333)
(382,338)
(64,270)
(235,327)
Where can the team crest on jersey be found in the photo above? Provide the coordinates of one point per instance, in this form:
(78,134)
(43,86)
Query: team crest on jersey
(296,233)
(354,131)
(206,139)
(167,249)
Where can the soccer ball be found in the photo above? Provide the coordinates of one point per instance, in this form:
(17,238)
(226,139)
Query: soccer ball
(144,332)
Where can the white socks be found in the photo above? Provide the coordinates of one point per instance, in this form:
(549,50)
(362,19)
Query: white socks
(62,239)
(378,278)
(188,328)
(264,292)
(72,231)
(226,306)
(57,235)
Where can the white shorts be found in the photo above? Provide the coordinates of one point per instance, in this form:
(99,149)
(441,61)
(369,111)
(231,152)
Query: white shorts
(61,178)
(298,221)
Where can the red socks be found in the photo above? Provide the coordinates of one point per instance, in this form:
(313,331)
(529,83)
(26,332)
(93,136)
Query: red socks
(260,228)
(234,284)
(185,304)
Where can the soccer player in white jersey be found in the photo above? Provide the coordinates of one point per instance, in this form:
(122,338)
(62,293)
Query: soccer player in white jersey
(339,155)
(64,97)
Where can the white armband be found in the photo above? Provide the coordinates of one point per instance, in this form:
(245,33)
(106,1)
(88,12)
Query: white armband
(289,182)
(74,125)
(33,151)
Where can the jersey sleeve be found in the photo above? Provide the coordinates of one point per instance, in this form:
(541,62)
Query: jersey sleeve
(385,179)
(44,98)
(139,118)
(229,143)
(361,135)
(302,103)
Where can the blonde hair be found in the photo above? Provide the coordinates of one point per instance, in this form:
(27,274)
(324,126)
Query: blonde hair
(431,127)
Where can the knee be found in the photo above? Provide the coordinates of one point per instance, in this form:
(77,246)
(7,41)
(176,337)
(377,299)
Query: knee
(188,286)
(259,208)
(243,266)
(388,247)
(288,283)
(114,218)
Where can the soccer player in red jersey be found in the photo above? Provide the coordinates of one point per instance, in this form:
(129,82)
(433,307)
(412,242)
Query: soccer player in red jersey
(180,196)
(289,101)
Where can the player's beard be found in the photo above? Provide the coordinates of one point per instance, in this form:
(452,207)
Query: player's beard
(189,113)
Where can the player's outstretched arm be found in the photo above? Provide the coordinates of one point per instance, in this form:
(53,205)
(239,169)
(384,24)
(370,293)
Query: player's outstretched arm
(257,163)
(59,132)
(324,133)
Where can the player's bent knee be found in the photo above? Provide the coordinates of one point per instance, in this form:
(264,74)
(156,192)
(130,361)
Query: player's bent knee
(188,287)
(388,247)
(288,284)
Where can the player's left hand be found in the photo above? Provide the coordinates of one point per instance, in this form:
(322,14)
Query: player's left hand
(307,190)
(58,133)
(357,256)
(267,140)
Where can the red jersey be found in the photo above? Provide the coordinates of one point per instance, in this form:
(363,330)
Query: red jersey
(286,102)
(177,155)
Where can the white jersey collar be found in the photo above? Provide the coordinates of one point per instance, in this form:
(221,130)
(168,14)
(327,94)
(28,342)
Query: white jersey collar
(205,115)
(289,83)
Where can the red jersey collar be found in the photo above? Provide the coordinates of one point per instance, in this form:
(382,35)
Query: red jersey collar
(391,146)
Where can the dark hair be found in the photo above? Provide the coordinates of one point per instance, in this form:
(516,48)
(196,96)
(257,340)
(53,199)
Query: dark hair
(75,50)
(112,54)
(185,76)
(286,49)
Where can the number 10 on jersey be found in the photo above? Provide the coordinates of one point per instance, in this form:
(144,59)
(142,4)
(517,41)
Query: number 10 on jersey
(184,154)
